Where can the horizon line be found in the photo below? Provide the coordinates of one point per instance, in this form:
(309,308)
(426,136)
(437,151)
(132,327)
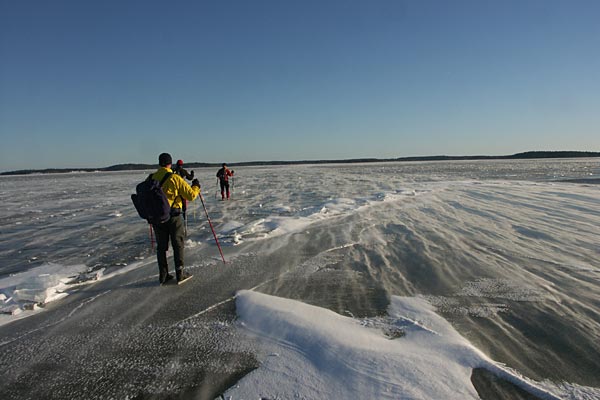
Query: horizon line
(536,154)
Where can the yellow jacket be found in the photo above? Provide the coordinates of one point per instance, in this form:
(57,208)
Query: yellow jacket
(176,187)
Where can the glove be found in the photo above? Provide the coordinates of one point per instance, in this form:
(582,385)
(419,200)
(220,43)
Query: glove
(195,182)
(192,174)
(232,172)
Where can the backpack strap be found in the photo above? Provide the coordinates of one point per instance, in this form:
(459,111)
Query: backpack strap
(164,179)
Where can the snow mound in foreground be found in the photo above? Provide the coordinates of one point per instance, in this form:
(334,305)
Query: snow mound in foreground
(315,353)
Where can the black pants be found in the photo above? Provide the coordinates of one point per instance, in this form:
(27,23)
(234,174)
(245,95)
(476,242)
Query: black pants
(173,231)
(224,188)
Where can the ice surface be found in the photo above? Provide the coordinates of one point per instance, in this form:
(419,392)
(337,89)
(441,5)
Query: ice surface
(506,251)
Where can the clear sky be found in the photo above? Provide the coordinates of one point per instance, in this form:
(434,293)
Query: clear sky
(96,83)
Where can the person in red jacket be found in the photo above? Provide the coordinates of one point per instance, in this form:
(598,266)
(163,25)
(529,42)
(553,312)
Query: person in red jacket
(223,174)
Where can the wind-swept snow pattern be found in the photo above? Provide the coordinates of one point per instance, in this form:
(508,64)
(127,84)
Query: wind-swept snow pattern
(503,252)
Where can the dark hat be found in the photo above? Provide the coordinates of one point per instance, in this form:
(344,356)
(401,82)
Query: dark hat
(179,162)
(224,164)
(164,159)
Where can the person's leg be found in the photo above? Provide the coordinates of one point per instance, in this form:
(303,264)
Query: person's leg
(162,245)
(177,241)
(222,190)
(227,189)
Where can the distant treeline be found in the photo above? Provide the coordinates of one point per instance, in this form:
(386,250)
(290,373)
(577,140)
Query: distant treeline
(135,167)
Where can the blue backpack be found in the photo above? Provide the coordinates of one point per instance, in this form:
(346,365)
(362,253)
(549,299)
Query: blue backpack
(151,202)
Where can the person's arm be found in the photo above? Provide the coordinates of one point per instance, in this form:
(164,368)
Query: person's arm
(189,192)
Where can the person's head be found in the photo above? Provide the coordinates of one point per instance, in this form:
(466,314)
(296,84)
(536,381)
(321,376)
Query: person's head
(224,165)
(164,160)
(180,162)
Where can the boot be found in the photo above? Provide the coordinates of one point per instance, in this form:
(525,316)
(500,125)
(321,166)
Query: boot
(168,278)
(182,276)
(163,274)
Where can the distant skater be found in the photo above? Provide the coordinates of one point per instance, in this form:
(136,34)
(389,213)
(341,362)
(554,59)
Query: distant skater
(223,174)
(182,172)
(176,189)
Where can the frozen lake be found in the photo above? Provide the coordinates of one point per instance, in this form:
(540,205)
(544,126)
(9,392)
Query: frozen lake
(387,280)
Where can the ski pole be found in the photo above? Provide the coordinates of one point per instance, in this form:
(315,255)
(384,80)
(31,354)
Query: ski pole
(184,224)
(211,227)
(151,237)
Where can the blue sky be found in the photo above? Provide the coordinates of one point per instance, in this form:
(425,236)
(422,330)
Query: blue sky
(97,83)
